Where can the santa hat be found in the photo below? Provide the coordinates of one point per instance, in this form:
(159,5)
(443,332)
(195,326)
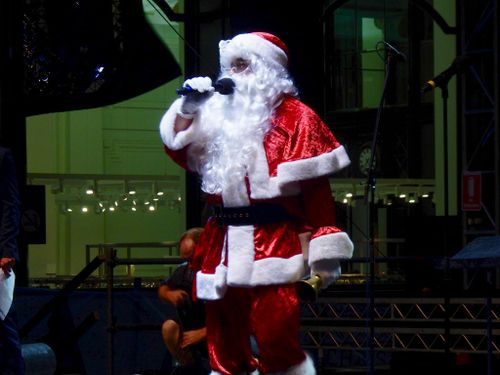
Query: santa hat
(265,45)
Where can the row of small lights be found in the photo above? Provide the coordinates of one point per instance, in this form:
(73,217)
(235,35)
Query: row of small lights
(90,191)
(412,198)
(151,206)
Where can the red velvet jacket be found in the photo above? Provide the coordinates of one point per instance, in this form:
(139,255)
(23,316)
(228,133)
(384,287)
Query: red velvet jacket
(291,169)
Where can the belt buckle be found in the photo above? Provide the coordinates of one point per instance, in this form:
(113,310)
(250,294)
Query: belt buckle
(218,214)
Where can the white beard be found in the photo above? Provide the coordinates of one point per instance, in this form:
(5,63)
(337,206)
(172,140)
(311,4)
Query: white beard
(234,128)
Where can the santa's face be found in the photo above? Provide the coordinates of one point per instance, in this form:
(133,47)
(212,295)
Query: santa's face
(247,76)
(239,65)
(253,79)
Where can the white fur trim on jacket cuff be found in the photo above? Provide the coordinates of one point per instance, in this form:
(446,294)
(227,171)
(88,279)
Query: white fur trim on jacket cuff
(324,255)
(173,140)
(330,246)
(187,116)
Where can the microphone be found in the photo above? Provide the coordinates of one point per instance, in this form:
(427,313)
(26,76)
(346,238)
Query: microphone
(224,86)
(394,51)
(457,66)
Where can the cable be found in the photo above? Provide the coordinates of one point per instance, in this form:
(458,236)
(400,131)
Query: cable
(162,15)
(379,50)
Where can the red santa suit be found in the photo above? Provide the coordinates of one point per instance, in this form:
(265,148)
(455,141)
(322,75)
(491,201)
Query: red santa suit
(270,229)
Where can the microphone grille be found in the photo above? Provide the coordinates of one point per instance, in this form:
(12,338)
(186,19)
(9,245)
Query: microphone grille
(224,86)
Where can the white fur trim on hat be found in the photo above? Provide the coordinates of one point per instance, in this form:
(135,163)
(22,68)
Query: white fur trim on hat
(255,44)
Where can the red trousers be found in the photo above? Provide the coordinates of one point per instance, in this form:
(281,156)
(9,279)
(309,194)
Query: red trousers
(270,313)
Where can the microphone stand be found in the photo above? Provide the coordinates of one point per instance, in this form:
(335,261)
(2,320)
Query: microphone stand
(447,276)
(369,204)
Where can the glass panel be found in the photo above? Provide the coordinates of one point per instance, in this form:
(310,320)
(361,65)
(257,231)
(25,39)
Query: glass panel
(372,63)
(355,55)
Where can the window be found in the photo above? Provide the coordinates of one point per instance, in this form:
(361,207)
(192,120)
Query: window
(355,55)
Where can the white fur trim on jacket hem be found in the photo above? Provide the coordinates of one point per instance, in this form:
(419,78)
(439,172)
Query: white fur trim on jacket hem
(306,367)
(316,166)
(268,271)
(285,183)
(256,372)
(240,254)
(211,286)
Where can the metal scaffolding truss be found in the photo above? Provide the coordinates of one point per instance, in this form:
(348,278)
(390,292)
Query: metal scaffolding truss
(479,93)
(437,324)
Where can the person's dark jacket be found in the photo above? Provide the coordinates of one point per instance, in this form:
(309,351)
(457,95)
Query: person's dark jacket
(9,206)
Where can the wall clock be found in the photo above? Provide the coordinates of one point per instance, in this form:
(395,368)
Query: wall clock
(364,156)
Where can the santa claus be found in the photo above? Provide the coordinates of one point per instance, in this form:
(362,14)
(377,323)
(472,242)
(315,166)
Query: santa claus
(264,159)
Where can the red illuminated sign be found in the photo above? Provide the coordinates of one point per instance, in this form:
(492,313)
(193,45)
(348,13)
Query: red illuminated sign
(471,191)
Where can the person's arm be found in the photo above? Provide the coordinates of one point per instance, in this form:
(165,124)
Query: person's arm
(202,91)
(328,244)
(6,265)
(193,337)
(175,126)
(10,213)
(175,297)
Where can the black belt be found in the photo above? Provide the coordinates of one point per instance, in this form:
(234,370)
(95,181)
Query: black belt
(261,213)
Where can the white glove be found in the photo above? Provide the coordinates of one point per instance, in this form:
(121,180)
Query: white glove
(202,90)
(328,270)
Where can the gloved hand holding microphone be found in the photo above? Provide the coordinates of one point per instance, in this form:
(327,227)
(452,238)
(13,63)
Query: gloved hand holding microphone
(198,90)
(195,91)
